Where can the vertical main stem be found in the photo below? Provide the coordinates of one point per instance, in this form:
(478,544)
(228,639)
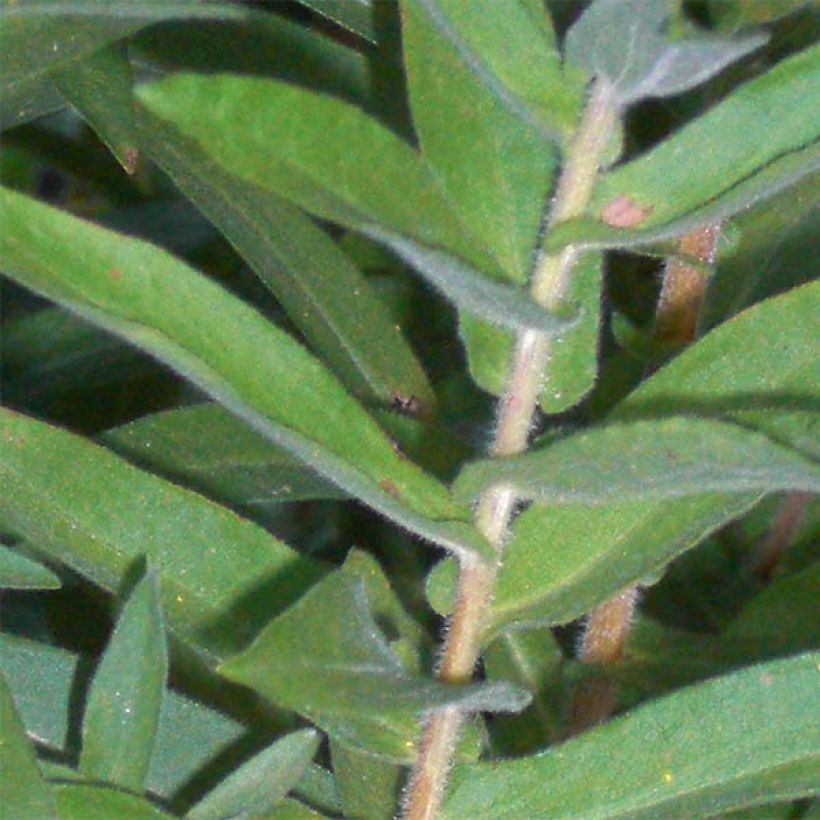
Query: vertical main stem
(516,410)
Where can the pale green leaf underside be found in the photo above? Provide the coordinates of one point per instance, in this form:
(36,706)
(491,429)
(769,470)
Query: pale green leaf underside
(746,738)
(159,304)
(646,460)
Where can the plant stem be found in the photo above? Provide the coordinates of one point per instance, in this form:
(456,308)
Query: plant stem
(781,535)
(517,408)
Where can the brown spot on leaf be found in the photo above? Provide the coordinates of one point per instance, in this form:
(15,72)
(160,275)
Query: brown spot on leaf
(130,160)
(407,405)
(114,273)
(390,488)
(624,212)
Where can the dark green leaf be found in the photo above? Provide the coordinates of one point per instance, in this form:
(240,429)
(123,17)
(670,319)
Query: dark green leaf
(22,788)
(562,561)
(326,658)
(164,307)
(258,785)
(324,295)
(290,809)
(368,786)
(208,449)
(354,15)
(99,87)
(646,460)
(220,575)
(78,801)
(730,15)
(622,43)
(19,572)
(745,738)
(125,697)
(29,100)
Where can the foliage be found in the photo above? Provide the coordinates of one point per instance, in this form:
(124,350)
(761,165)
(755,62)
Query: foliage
(275,276)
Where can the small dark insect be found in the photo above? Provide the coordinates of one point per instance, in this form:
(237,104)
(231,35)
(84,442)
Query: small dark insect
(408,405)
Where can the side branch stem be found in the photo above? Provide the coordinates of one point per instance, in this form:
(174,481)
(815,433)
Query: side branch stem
(516,410)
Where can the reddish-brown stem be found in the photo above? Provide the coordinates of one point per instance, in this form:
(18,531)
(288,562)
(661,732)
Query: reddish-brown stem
(781,535)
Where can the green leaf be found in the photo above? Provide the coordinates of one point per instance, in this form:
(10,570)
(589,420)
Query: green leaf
(42,679)
(125,697)
(646,460)
(730,15)
(622,42)
(208,449)
(730,151)
(368,786)
(290,809)
(728,743)
(220,575)
(79,801)
(99,87)
(22,788)
(324,295)
(326,659)
(258,372)
(563,560)
(278,136)
(19,572)
(354,15)
(258,785)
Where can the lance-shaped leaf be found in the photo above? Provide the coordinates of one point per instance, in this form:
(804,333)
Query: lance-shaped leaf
(19,572)
(220,575)
(260,783)
(124,701)
(746,738)
(208,449)
(324,295)
(320,153)
(647,460)
(80,801)
(564,559)
(503,305)
(23,791)
(622,42)
(726,159)
(261,374)
(326,658)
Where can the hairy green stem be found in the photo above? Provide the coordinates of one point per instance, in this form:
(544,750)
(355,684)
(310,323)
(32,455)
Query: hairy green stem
(516,410)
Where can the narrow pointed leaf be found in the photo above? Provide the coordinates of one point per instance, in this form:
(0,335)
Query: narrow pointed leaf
(208,449)
(622,42)
(23,791)
(260,783)
(278,136)
(647,460)
(19,572)
(78,801)
(326,659)
(354,15)
(158,303)
(563,560)
(324,295)
(742,739)
(124,701)
(220,575)
(99,87)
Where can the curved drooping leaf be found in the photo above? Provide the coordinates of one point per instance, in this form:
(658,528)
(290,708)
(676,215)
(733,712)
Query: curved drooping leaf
(260,783)
(725,160)
(326,658)
(23,790)
(735,741)
(563,560)
(645,461)
(623,43)
(324,295)
(125,697)
(19,572)
(220,575)
(158,303)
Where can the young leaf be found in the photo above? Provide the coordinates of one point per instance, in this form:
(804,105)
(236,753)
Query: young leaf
(646,460)
(220,575)
(723,744)
(260,783)
(161,305)
(326,659)
(19,572)
(23,791)
(324,295)
(622,42)
(79,801)
(125,698)
(99,87)
(208,449)
(563,560)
